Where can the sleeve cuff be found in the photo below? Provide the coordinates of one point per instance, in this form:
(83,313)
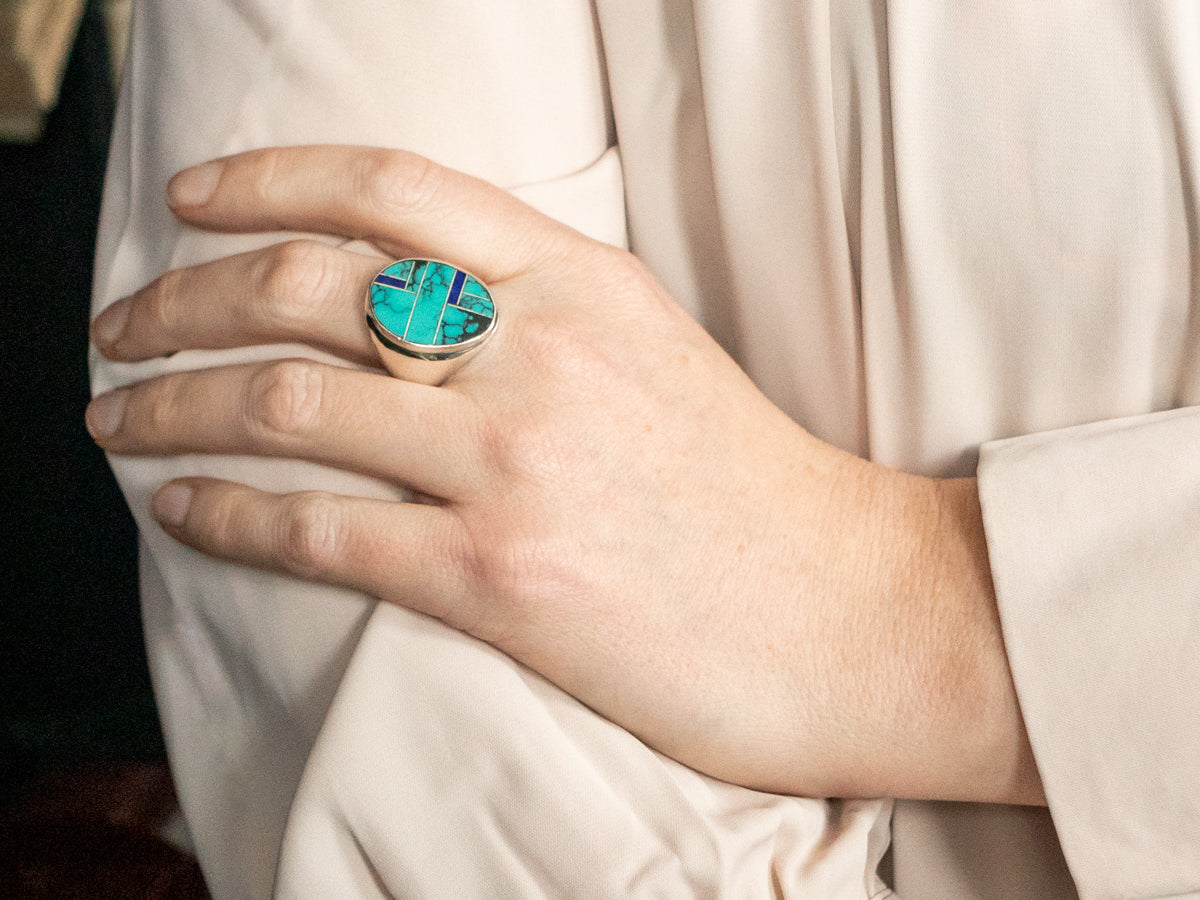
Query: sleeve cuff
(1094,538)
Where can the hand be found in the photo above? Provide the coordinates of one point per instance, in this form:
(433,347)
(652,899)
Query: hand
(603,494)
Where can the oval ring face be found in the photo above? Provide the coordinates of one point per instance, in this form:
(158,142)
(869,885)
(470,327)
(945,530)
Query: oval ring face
(429,309)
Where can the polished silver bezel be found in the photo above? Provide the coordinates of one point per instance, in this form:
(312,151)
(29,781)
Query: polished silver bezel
(415,357)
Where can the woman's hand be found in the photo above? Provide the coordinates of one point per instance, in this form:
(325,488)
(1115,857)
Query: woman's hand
(601,492)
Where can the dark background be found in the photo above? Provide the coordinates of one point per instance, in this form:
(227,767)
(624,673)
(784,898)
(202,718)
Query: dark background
(87,807)
(73,679)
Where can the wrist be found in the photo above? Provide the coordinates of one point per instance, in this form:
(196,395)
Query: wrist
(938,716)
(979,719)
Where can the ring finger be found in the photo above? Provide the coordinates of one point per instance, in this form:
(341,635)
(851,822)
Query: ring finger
(415,435)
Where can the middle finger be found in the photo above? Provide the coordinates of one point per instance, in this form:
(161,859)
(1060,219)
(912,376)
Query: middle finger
(298,291)
(419,436)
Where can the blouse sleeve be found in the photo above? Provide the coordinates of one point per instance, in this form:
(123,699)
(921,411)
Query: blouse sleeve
(1094,538)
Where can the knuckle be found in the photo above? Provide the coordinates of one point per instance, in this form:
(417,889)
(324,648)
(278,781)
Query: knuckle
(266,165)
(231,525)
(530,449)
(158,407)
(524,578)
(284,398)
(632,284)
(311,535)
(293,281)
(498,443)
(629,288)
(161,310)
(562,349)
(392,179)
(615,263)
(503,566)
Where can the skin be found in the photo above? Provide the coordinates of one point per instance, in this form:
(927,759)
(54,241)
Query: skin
(601,492)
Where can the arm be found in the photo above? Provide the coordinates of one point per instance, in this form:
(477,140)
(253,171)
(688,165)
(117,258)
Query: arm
(849,634)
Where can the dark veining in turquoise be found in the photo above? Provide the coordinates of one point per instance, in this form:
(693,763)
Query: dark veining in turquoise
(430,303)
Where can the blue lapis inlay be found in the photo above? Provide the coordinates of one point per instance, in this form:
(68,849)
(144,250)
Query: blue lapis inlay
(389,281)
(430,303)
(456,288)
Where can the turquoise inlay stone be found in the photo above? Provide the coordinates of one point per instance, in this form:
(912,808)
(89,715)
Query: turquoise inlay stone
(430,303)
(480,305)
(402,269)
(459,325)
(391,308)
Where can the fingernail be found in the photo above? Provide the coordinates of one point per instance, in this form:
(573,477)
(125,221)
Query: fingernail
(194,186)
(169,505)
(110,324)
(104,414)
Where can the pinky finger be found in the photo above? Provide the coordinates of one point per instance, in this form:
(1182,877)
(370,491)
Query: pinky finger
(401,552)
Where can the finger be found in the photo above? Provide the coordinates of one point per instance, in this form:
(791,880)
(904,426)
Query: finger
(298,291)
(357,421)
(402,552)
(398,200)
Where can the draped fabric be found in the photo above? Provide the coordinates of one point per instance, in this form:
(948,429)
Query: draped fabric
(951,237)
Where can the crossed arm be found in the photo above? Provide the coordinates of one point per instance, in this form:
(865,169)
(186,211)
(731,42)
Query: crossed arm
(600,492)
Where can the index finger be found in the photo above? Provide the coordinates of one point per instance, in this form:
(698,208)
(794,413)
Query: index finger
(402,202)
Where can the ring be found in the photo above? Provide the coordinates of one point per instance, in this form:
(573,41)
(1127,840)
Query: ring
(426,317)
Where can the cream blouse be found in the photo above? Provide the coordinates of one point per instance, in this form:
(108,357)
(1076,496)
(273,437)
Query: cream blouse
(952,237)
